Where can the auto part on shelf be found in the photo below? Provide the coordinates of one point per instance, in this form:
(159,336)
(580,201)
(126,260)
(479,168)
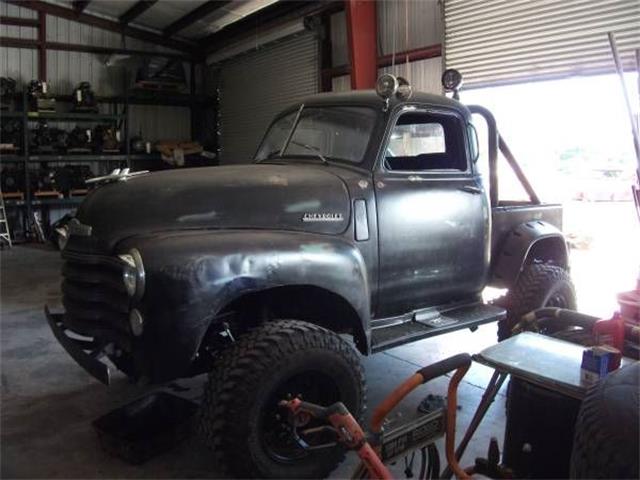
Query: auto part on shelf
(107,138)
(83,98)
(138,145)
(39,98)
(11,135)
(43,138)
(71,177)
(161,73)
(43,179)
(60,139)
(80,140)
(12,179)
(7,92)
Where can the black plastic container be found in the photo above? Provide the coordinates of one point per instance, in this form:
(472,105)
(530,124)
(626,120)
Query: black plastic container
(146,427)
(544,420)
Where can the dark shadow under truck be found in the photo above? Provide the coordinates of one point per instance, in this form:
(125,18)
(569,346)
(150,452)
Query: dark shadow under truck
(363,216)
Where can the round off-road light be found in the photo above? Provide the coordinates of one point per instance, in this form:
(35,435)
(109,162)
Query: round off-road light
(451,79)
(386,86)
(133,275)
(404,89)
(136,322)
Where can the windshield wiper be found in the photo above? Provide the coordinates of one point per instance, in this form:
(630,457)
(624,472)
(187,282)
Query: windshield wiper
(270,155)
(315,150)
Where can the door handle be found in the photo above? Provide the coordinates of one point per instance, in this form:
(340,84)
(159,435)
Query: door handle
(471,189)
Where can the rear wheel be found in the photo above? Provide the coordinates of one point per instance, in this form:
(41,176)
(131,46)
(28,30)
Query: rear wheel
(240,417)
(539,285)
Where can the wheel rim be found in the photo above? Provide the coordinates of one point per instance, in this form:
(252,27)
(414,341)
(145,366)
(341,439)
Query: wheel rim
(275,432)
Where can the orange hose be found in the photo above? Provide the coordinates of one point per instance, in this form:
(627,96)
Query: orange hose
(395,397)
(452,407)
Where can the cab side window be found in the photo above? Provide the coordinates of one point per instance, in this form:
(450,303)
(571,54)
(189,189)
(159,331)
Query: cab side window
(425,141)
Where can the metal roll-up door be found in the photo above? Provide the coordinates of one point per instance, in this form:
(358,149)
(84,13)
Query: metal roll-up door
(494,42)
(256,86)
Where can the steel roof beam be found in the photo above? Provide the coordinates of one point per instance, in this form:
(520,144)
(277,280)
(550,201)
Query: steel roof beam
(136,10)
(80,5)
(193,16)
(265,19)
(101,22)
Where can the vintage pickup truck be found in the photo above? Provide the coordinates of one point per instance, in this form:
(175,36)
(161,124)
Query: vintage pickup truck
(363,221)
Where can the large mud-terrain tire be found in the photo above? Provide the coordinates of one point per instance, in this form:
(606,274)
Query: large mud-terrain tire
(539,285)
(240,418)
(606,443)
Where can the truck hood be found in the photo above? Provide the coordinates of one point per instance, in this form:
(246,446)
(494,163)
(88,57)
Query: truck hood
(295,197)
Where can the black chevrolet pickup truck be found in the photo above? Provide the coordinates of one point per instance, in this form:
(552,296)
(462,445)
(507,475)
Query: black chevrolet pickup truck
(363,224)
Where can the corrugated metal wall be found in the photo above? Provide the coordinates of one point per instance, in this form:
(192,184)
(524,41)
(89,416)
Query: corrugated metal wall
(258,85)
(415,24)
(420,19)
(495,42)
(17,63)
(66,69)
(339,42)
(341,84)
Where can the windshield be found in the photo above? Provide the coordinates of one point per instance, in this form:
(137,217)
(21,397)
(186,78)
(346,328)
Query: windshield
(332,133)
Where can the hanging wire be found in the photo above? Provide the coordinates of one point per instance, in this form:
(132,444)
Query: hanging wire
(393,35)
(406,39)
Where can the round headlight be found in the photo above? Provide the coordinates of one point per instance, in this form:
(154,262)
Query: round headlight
(130,280)
(451,79)
(136,322)
(133,273)
(386,85)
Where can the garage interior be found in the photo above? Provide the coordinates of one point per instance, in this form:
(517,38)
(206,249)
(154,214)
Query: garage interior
(175,96)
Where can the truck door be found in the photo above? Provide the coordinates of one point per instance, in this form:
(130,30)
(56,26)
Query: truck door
(433,214)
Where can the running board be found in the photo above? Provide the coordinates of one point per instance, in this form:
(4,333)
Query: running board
(428,323)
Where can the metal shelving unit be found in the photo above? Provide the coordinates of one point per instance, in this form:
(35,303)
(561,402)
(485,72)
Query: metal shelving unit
(73,116)
(118,112)
(79,158)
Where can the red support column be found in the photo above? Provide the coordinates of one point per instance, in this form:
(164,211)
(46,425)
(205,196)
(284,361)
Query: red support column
(362,33)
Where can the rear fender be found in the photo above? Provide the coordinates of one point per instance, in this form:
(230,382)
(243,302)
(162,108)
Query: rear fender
(534,240)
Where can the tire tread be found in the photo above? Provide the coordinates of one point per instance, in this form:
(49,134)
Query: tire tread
(243,364)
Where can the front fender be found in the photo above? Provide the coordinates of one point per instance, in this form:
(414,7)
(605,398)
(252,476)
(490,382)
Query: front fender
(538,238)
(192,276)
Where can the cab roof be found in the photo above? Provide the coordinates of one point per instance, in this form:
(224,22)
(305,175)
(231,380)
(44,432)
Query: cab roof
(371,99)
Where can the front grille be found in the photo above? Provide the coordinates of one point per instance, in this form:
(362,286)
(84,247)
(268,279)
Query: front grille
(94,297)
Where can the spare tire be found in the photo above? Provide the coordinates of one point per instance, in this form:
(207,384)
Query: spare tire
(606,442)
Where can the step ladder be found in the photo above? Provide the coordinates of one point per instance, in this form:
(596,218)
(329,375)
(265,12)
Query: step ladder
(5,233)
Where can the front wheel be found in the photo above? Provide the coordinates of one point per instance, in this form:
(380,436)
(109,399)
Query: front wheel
(240,417)
(539,285)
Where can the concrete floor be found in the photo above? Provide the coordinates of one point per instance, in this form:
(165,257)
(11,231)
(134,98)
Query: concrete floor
(48,402)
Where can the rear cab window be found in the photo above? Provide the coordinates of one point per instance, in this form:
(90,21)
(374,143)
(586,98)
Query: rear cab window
(425,141)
